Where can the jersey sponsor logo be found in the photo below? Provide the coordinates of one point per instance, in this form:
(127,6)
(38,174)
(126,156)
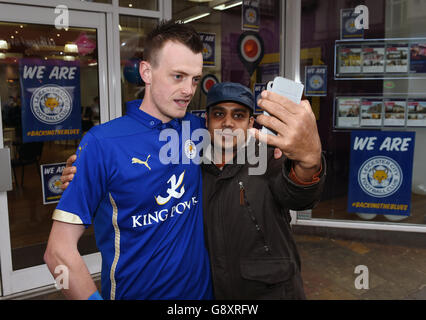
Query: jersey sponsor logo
(167,213)
(160,216)
(139,161)
(172,191)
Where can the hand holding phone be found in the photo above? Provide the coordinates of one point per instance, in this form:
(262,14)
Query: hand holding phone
(287,88)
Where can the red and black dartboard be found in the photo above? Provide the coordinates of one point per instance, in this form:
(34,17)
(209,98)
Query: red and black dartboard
(208,81)
(250,50)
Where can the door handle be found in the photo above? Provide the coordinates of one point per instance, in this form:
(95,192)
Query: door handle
(5,170)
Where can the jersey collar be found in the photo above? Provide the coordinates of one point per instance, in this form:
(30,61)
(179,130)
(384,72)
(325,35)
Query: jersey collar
(149,121)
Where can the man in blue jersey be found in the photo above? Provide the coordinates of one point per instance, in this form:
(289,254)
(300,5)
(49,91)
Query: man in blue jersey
(147,216)
(246,216)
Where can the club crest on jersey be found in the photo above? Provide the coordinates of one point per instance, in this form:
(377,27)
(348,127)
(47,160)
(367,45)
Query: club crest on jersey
(190,149)
(380,176)
(173,190)
(51,104)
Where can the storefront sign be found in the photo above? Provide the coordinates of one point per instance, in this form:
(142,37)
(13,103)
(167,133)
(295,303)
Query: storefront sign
(209,41)
(315,80)
(418,58)
(250,15)
(51,182)
(199,113)
(381,172)
(50,92)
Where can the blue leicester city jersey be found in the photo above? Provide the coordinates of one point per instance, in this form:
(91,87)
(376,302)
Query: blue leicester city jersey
(147,215)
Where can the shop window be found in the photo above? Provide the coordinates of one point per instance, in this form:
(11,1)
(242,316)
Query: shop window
(49,99)
(375,80)
(221,30)
(133,31)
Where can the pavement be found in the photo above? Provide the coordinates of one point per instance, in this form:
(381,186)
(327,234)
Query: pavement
(387,271)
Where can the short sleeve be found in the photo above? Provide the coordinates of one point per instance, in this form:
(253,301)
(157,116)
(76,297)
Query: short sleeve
(80,200)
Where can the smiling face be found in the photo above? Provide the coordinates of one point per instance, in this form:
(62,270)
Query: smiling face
(172,81)
(227,123)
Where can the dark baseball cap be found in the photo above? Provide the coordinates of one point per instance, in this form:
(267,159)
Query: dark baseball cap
(230,92)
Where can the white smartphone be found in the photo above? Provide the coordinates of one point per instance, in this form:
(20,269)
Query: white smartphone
(287,88)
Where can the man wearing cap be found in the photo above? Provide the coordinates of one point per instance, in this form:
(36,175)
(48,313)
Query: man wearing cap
(246,217)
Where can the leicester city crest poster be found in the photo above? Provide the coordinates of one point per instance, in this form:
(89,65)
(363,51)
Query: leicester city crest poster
(50,91)
(380,172)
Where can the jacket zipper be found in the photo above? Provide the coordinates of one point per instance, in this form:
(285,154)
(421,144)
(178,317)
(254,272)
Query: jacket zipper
(243,200)
(242,195)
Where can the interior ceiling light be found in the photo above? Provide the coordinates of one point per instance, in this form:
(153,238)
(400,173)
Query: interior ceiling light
(200,0)
(196,17)
(71,47)
(225,5)
(4,45)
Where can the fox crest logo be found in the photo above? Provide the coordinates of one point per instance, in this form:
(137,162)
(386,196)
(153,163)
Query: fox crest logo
(380,176)
(173,190)
(51,104)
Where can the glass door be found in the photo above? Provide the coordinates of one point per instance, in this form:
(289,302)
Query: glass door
(53,89)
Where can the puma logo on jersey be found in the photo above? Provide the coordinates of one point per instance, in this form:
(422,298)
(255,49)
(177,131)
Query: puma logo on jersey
(139,161)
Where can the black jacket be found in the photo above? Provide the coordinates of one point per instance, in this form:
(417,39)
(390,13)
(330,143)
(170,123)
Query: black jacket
(247,229)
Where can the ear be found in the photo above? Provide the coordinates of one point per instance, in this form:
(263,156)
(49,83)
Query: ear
(207,119)
(145,70)
(251,122)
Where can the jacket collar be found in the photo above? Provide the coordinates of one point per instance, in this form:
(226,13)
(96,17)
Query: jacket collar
(231,169)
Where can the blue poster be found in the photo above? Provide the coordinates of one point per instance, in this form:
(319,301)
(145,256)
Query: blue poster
(250,15)
(51,182)
(258,88)
(315,80)
(380,173)
(418,58)
(209,43)
(199,113)
(50,91)
(348,29)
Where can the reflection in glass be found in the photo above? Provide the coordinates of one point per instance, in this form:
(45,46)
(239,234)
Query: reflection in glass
(133,31)
(353,103)
(30,220)
(140,4)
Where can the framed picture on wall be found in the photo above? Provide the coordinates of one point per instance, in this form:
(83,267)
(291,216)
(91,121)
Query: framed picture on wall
(416,112)
(395,112)
(347,112)
(371,112)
